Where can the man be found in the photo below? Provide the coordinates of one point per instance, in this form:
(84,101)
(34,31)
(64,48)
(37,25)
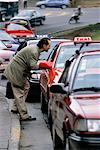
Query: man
(18,70)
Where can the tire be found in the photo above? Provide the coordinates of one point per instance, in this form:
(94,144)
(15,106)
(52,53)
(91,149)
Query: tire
(63,6)
(42,6)
(9,92)
(57,142)
(43,104)
(50,121)
(41,22)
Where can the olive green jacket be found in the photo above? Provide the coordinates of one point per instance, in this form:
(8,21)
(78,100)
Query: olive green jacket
(19,67)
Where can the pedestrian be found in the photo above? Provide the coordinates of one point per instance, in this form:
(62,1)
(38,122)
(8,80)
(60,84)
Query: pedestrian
(18,71)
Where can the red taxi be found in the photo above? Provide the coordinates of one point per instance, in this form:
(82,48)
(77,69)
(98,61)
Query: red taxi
(57,59)
(75,104)
(17,30)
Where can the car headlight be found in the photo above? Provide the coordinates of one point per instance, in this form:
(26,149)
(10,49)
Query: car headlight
(35,76)
(87,125)
(80,125)
(93,125)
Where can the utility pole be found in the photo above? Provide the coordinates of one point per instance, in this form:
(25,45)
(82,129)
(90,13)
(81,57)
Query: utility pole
(21,5)
(73,3)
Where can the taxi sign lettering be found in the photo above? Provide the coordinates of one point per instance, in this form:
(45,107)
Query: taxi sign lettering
(82,39)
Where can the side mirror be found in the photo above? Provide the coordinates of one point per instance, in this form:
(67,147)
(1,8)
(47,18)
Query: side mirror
(45,65)
(59,88)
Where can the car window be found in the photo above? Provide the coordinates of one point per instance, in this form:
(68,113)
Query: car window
(88,72)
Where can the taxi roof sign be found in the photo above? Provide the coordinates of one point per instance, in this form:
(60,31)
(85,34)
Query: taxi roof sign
(82,39)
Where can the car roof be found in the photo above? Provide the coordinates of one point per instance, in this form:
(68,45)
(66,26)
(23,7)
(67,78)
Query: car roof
(36,40)
(90,52)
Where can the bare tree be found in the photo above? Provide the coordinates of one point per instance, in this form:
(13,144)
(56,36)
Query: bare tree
(21,4)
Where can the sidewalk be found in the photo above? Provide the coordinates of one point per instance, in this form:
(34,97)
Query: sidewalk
(9,124)
(28,134)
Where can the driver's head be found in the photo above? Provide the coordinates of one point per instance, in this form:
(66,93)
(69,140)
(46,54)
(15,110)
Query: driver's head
(44,44)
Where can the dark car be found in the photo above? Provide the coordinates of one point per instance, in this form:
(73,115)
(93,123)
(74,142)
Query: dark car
(53,3)
(33,16)
(75,104)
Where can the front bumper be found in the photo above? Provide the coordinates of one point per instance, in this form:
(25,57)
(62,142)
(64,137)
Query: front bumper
(89,139)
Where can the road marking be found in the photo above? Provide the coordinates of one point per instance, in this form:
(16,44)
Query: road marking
(52,14)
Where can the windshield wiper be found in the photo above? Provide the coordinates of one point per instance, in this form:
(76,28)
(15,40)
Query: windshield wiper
(95,89)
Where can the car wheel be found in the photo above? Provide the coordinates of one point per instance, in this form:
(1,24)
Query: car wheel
(42,6)
(50,121)
(63,6)
(57,142)
(43,104)
(41,22)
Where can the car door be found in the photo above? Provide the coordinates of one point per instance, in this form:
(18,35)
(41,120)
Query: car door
(61,103)
(51,3)
(46,77)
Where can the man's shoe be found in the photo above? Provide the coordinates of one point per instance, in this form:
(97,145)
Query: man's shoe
(28,119)
(14,111)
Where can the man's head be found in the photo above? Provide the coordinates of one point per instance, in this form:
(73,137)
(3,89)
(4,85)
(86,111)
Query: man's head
(44,44)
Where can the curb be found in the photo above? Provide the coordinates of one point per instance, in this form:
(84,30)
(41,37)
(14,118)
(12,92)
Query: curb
(15,129)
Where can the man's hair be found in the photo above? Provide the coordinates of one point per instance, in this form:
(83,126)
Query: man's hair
(42,42)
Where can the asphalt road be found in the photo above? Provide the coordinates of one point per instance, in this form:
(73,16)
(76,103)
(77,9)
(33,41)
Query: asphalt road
(57,19)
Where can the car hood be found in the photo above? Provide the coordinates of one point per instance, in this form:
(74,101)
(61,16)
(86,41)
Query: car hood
(87,106)
(6,54)
(40,3)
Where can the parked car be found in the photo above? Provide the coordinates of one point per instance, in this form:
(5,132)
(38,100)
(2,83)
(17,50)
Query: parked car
(9,41)
(75,108)
(58,57)
(18,31)
(34,92)
(53,3)
(5,55)
(33,16)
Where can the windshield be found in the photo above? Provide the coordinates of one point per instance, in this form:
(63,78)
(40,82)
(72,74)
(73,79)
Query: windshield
(25,13)
(15,27)
(91,47)
(2,45)
(88,73)
(67,51)
(5,37)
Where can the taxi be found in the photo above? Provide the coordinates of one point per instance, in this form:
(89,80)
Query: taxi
(20,29)
(75,104)
(34,92)
(62,52)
